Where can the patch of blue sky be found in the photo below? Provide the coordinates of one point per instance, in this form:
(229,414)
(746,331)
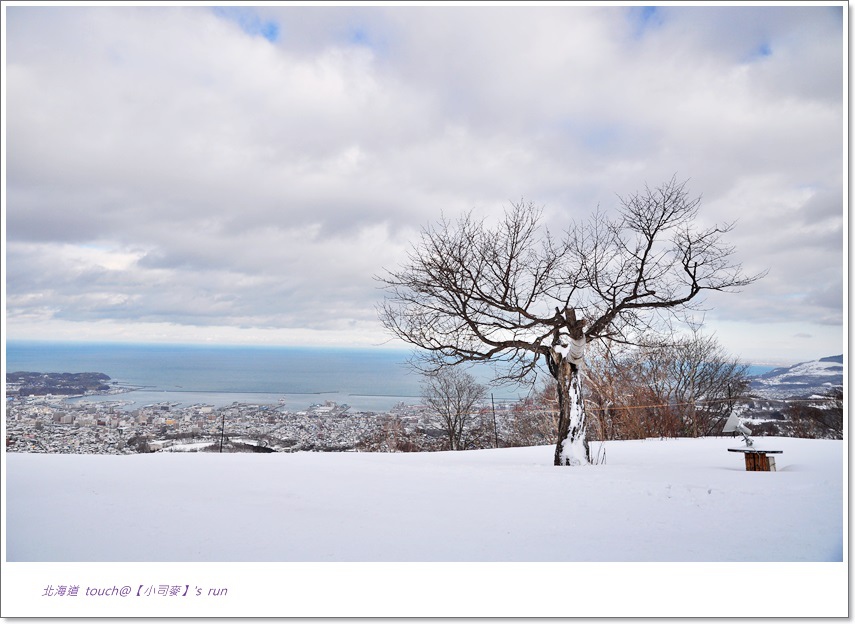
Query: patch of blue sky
(600,137)
(760,52)
(645,19)
(249,21)
(595,136)
(360,36)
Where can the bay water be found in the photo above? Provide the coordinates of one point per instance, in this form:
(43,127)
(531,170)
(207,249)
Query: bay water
(369,380)
(366,379)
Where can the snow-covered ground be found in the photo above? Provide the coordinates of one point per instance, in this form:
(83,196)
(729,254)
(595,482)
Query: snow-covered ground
(652,500)
(683,500)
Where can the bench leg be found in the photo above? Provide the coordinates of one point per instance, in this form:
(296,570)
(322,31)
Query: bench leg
(758,462)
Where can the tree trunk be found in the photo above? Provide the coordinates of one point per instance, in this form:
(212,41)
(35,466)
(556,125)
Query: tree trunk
(572,448)
(568,354)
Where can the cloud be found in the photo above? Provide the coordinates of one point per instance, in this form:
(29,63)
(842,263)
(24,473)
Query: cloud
(255,167)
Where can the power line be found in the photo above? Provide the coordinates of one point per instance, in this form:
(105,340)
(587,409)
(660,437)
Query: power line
(700,403)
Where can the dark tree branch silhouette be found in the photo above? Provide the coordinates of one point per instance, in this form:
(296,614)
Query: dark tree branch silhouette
(517,297)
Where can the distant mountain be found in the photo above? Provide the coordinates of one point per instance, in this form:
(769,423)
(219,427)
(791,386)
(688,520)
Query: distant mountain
(803,379)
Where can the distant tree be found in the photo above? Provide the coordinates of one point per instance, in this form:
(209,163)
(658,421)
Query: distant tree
(391,436)
(396,438)
(139,443)
(518,297)
(452,396)
(818,419)
(705,382)
(835,414)
(687,386)
(622,407)
(534,419)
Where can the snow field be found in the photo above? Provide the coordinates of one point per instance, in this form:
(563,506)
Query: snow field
(678,500)
(366,535)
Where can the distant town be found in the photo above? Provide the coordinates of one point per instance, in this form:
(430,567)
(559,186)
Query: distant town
(41,419)
(50,413)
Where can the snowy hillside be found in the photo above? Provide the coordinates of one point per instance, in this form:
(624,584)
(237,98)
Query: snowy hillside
(683,500)
(806,378)
(671,500)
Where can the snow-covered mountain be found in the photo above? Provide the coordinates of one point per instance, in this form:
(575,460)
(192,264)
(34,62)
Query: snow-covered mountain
(803,379)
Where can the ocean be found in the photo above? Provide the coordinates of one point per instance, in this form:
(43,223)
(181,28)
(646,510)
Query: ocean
(365,379)
(298,377)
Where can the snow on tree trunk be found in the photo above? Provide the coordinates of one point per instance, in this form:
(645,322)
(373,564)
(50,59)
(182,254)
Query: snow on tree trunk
(572,448)
(568,356)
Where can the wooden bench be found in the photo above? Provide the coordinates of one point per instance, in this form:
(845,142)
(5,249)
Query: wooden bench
(756,459)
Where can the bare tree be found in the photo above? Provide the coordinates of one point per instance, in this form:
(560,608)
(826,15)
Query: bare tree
(622,408)
(822,419)
(453,394)
(700,381)
(518,297)
(534,419)
(685,386)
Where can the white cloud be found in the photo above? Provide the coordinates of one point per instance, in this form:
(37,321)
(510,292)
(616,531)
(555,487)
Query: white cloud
(195,168)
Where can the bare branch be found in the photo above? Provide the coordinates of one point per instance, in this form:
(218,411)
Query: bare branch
(515,296)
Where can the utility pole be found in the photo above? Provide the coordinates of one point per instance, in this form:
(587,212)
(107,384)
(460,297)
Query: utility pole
(495,431)
(222,432)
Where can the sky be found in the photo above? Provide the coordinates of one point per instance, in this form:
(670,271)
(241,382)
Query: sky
(241,175)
